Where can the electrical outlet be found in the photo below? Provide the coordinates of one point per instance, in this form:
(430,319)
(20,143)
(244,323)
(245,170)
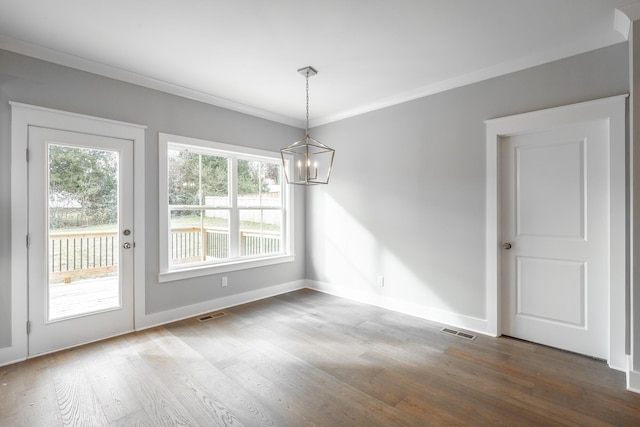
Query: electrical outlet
(224,281)
(380,280)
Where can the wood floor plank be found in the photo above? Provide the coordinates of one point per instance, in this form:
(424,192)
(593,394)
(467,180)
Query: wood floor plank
(112,390)
(272,395)
(226,398)
(610,409)
(335,402)
(25,375)
(77,401)
(495,387)
(311,359)
(137,419)
(34,407)
(197,398)
(432,390)
(159,404)
(310,391)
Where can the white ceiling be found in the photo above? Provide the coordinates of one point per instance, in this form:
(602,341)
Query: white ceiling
(243,54)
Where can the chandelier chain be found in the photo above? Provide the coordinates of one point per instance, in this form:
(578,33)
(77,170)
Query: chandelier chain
(306,129)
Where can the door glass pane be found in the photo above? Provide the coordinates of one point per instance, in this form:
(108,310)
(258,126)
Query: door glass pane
(199,235)
(83,249)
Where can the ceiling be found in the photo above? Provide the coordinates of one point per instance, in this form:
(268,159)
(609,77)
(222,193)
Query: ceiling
(243,54)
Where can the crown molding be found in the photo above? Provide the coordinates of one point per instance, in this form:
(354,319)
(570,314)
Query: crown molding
(82,64)
(624,16)
(474,77)
(621,21)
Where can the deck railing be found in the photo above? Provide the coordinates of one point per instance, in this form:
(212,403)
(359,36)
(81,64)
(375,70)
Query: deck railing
(74,255)
(82,254)
(186,244)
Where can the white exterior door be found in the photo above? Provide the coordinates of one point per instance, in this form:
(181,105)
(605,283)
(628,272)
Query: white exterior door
(80,225)
(555,235)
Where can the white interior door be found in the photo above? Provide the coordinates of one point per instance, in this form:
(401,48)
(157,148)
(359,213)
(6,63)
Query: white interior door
(80,223)
(554,228)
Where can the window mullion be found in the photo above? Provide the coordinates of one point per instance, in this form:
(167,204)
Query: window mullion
(285,230)
(234,214)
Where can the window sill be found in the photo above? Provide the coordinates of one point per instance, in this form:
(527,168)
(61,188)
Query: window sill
(207,270)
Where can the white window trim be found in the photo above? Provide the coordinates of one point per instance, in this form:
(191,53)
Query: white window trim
(166,274)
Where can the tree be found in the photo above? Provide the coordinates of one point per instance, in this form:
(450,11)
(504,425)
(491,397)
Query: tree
(255,177)
(187,171)
(83,180)
(184,177)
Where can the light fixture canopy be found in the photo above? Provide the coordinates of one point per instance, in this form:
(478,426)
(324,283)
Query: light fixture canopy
(307,161)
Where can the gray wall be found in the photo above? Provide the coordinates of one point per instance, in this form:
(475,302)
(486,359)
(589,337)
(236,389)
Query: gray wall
(407,195)
(31,81)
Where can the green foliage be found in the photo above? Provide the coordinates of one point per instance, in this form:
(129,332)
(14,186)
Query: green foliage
(184,177)
(187,171)
(254,177)
(83,186)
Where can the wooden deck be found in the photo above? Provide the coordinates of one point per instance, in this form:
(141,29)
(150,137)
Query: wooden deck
(83,296)
(310,359)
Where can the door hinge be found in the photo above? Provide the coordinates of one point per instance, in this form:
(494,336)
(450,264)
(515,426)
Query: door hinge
(27,155)
(28,327)
(28,240)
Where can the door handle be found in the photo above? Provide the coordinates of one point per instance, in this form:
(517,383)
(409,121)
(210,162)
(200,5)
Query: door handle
(126,245)
(506,245)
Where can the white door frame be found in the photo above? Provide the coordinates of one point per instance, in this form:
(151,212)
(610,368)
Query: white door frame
(612,109)
(23,116)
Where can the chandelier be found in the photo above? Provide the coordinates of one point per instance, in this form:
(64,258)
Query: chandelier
(307,161)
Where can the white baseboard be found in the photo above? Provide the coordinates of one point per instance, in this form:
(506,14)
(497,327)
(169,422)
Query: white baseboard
(473,324)
(161,318)
(633,378)
(633,381)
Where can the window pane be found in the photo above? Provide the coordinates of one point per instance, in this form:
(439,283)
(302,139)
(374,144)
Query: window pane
(215,181)
(197,179)
(272,232)
(248,183)
(258,184)
(183,178)
(260,232)
(217,234)
(272,176)
(201,235)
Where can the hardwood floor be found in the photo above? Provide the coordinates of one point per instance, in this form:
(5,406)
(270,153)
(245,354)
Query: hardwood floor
(310,359)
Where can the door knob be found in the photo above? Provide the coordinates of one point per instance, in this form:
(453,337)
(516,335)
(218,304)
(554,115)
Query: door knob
(506,245)
(126,245)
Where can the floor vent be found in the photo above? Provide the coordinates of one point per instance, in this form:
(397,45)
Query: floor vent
(460,334)
(211,316)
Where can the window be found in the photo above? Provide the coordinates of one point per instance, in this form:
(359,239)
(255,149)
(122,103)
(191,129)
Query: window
(223,208)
